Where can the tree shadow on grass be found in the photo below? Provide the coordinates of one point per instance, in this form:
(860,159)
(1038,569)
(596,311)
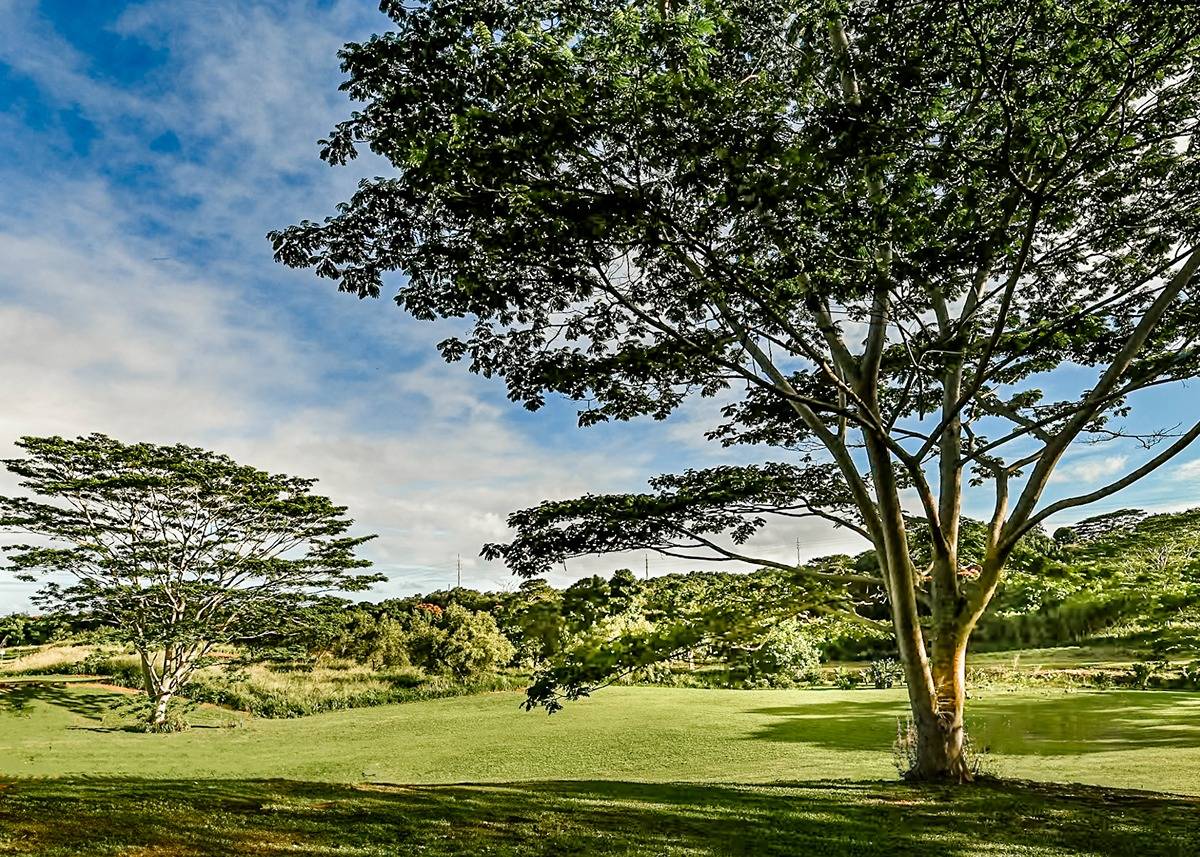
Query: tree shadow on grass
(227,817)
(1058,724)
(17,698)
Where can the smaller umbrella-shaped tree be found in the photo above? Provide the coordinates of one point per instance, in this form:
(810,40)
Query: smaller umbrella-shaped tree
(178,549)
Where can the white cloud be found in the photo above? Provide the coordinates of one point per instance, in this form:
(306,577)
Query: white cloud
(1185,470)
(107,341)
(1091,469)
(112,320)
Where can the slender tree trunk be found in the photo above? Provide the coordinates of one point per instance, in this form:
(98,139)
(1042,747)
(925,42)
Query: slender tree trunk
(162,701)
(148,680)
(941,738)
(936,692)
(161,688)
(936,688)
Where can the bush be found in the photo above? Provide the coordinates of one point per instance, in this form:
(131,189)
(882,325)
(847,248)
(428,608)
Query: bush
(123,670)
(374,641)
(1189,675)
(657,673)
(786,656)
(1077,617)
(457,641)
(844,679)
(132,714)
(1143,672)
(21,629)
(884,673)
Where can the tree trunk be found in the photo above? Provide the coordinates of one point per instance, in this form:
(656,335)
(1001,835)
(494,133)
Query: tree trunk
(148,678)
(938,717)
(161,687)
(158,717)
(936,694)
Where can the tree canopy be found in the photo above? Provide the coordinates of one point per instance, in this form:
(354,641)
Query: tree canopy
(177,548)
(873,227)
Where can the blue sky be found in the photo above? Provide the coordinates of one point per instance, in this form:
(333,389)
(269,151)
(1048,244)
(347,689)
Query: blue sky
(147,149)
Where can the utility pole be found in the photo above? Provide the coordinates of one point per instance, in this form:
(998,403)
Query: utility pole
(797,552)
(646,575)
(460,571)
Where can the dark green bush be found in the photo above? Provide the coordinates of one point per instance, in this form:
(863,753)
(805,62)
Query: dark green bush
(1144,672)
(786,656)
(1189,675)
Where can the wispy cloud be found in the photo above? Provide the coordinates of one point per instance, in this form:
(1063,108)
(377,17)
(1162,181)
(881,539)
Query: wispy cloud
(1186,470)
(140,299)
(1090,469)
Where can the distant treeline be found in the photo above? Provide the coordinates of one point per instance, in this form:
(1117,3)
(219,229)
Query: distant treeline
(1121,574)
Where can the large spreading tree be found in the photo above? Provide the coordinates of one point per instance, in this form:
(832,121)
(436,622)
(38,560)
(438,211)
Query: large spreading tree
(875,228)
(176,548)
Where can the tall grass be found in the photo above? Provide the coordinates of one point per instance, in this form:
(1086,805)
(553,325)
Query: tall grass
(270,692)
(48,660)
(264,689)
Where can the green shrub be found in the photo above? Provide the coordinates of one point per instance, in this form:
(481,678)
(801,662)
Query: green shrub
(884,673)
(786,656)
(456,641)
(658,673)
(845,679)
(119,668)
(1142,673)
(1189,675)
(374,641)
(132,714)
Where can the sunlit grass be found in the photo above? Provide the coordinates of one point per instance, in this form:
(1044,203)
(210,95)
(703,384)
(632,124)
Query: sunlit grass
(1127,739)
(633,770)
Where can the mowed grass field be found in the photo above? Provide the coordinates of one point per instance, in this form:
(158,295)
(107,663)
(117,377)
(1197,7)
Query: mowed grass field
(1125,739)
(630,771)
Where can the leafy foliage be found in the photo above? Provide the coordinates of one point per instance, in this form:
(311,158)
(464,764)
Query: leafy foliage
(456,641)
(21,629)
(176,548)
(873,226)
(461,642)
(1144,573)
(680,519)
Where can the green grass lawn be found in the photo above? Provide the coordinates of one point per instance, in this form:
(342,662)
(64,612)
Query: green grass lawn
(626,772)
(215,818)
(1126,739)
